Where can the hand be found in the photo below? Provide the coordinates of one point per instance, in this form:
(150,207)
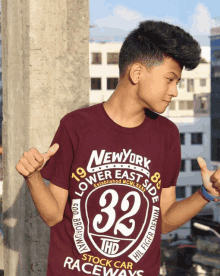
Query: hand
(33,161)
(211,179)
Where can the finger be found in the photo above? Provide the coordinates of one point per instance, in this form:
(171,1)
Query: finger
(216,199)
(21,170)
(52,150)
(29,156)
(217,185)
(216,176)
(24,162)
(202,165)
(37,156)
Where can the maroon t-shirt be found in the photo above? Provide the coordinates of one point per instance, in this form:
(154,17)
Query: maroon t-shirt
(114,176)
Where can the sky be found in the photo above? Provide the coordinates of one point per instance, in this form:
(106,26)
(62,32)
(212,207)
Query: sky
(117,18)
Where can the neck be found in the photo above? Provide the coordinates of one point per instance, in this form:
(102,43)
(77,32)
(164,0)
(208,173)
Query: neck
(123,108)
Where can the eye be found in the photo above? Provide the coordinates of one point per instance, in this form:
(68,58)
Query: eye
(170,80)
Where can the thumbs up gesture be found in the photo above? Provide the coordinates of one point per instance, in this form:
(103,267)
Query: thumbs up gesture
(32,161)
(211,179)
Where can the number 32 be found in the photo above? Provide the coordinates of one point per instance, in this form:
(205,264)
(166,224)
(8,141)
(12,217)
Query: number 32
(110,211)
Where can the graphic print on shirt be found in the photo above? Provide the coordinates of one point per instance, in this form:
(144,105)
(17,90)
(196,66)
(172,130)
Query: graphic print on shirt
(120,195)
(115,209)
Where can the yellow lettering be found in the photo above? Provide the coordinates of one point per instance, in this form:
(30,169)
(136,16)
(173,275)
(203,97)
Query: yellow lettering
(129,265)
(115,264)
(84,257)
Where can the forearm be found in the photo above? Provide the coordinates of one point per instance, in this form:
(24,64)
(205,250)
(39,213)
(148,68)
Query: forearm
(44,200)
(182,211)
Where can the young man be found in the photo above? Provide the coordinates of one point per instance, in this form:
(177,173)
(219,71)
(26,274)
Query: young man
(113,167)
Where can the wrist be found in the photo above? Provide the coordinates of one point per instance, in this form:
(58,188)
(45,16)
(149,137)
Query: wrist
(33,176)
(207,195)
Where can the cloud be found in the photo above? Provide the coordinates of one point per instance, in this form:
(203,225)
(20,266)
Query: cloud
(120,21)
(201,21)
(121,18)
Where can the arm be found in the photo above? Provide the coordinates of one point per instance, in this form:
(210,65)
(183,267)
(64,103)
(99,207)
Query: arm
(176,213)
(49,201)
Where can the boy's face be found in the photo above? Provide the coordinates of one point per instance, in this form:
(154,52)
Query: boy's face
(158,85)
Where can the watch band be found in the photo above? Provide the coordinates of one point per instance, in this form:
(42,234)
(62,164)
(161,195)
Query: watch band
(207,195)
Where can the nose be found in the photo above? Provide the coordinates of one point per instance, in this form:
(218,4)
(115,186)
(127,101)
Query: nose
(173,91)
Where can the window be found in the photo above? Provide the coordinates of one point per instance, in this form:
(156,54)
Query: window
(190,85)
(194,165)
(216,54)
(112,58)
(189,105)
(185,105)
(182,83)
(195,188)
(96,58)
(180,192)
(203,103)
(95,83)
(182,138)
(112,83)
(196,138)
(182,105)
(182,167)
(172,105)
(202,82)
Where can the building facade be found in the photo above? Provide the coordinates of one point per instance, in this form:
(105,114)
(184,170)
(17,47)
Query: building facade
(215,95)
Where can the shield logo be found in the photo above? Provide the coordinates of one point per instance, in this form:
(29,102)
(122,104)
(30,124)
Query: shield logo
(116,216)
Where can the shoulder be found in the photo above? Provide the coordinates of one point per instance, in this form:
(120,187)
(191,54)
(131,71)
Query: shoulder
(168,124)
(81,117)
(163,124)
(82,113)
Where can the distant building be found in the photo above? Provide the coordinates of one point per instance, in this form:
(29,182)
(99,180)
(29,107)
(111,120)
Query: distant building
(104,75)
(215,95)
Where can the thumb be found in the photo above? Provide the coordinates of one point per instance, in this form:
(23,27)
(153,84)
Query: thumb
(202,165)
(52,150)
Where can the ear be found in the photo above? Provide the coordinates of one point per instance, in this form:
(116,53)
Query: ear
(135,72)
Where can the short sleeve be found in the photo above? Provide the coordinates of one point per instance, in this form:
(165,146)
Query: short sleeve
(58,168)
(173,160)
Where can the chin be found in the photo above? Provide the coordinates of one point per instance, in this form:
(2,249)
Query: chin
(159,111)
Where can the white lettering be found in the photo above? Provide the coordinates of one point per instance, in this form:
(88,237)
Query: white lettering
(96,158)
(76,265)
(68,262)
(146,162)
(139,160)
(84,270)
(97,268)
(132,158)
(155,199)
(107,158)
(117,157)
(126,154)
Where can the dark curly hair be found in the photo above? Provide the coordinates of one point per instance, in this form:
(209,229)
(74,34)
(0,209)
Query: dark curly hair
(154,40)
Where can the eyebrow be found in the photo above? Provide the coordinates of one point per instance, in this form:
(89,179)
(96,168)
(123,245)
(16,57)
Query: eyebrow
(175,75)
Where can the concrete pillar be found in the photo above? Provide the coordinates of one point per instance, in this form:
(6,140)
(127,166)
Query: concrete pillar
(45,75)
